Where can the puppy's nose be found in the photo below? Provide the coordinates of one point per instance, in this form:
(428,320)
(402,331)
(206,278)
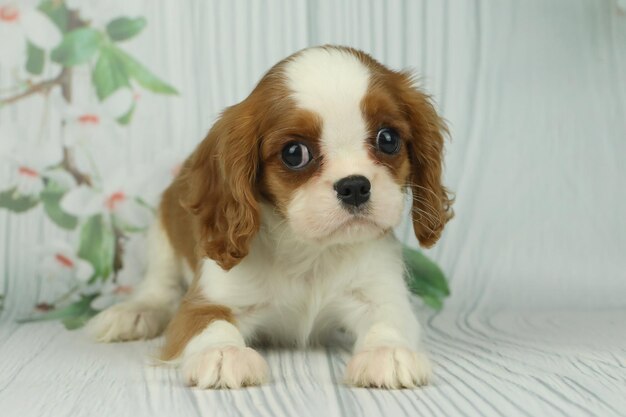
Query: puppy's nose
(353,190)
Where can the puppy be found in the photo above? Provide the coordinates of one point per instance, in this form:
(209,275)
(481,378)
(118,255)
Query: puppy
(281,226)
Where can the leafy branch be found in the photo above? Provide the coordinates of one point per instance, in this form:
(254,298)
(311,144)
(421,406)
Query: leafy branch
(68,164)
(100,237)
(42,87)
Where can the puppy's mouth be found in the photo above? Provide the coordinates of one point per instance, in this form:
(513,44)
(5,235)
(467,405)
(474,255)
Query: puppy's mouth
(354,225)
(358,220)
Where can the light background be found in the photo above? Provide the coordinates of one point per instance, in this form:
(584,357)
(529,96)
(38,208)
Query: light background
(535,96)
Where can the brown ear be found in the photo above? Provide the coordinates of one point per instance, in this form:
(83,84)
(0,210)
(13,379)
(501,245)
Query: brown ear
(431,201)
(220,181)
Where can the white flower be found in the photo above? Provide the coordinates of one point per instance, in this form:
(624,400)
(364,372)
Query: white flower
(119,193)
(62,264)
(127,279)
(93,122)
(115,197)
(31,164)
(20,22)
(101,12)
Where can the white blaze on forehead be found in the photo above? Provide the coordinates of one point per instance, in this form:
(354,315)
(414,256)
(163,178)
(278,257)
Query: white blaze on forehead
(332,83)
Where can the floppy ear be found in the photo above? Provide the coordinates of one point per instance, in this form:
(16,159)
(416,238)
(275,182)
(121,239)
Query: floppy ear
(220,180)
(431,201)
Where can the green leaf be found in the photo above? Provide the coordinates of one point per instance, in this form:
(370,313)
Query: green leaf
(97,246)
(109,74)
(18,203)
(125,119)
(77,47)
(425,278)
(138,72)
(77,309)
(76,322)
(51,198)
(57,12)
(432,302)
(36,59)
(124,28)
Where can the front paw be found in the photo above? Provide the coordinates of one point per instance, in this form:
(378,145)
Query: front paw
(388,367)
(228,367)
(128,321)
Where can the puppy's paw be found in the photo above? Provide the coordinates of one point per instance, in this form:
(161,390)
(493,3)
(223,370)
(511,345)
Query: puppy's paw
(388,367)
(228,367)
(128,321)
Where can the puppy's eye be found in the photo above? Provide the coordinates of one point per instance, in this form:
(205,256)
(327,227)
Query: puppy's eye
(296,155)
(388,141)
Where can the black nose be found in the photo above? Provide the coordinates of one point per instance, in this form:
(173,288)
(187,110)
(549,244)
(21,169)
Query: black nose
(353,190)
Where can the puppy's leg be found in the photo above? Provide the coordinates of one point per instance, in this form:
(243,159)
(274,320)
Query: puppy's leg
(387,353)
(210,349)
(150,308)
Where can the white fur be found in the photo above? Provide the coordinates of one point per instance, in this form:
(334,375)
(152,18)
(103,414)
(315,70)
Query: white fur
(388,367)
(309,275)
(332,83)
(153,303)
(219,358)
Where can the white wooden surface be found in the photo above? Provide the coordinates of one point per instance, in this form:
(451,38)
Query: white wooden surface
(559,363)
(535,93)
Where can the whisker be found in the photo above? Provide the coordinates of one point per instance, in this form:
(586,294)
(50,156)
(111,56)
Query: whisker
(429,216)
(425,225)
(427,204)
(421,187)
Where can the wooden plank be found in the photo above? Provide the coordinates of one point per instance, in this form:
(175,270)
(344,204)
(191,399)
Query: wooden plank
(484,365)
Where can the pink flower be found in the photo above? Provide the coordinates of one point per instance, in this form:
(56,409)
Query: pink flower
(31,164)
(60,263)
(114,197)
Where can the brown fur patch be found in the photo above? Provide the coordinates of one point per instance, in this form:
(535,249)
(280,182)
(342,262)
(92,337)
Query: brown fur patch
(194,315)
(212,208)
(179,226)
(393,99)
(432,203)
(381,110)
(278,181)
(217,185)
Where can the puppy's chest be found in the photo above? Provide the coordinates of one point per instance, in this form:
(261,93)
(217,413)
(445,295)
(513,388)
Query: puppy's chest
(288,305)
(304,292)
(298,312)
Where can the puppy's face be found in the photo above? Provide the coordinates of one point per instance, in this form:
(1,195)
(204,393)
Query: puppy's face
(334,140)
(337,166)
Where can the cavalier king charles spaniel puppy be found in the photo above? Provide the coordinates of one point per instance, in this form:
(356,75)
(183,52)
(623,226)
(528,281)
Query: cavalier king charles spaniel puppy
(279,227)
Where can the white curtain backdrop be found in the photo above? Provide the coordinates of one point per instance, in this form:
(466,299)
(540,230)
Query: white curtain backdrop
(534,93)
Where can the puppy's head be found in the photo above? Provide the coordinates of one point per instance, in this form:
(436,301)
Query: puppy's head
(333,140)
